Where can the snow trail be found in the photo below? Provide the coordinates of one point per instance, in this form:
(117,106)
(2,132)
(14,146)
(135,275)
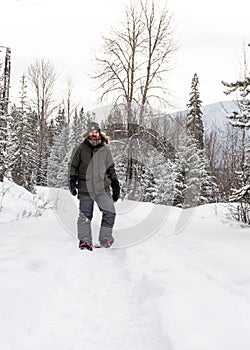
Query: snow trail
(189,291)
(57,296)
(200,303)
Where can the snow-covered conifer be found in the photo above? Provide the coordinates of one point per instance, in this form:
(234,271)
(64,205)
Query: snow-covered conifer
(193,186)
(59,159)
(194,114)
(240,119)
(3,131)
(22,142)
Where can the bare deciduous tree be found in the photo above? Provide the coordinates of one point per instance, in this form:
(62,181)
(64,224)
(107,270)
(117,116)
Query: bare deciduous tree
(68,99)
(42,77)
(137,57)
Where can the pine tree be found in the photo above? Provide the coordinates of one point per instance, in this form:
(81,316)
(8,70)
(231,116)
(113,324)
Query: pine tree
(60,120)
(3,131)
(67,138)
(75,131)
(209,191)
(52,131)
(194,114)
(17,146)
(165,175)
(240,120)
(180,185)
(42,78)
(31,149)
(59,159)
(120,165)
(193,185)
(146,185)
(85,119)
(115,120)
(22,142)
(77,127)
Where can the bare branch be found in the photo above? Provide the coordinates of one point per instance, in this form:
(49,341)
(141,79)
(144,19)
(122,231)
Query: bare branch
(136,56)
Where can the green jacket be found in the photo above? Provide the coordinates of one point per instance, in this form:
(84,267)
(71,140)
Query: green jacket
(94,168)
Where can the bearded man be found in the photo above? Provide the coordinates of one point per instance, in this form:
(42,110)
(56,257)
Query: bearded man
(92,173)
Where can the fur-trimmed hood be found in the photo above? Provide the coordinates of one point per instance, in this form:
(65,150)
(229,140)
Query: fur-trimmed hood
(104,137)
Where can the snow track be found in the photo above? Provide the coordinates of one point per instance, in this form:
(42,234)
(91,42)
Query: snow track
(196,310)
(58,297)
(189,291)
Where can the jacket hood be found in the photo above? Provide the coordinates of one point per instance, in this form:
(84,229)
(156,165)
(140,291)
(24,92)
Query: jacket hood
(104,137)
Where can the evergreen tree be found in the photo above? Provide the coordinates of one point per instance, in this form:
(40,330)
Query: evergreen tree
(42,78)
(193,185)
(165,175)
(67,138)
(180,185)
(240,120)
(52,131)
(115,120)
(22,142)
(84,120)
(17,146)
(194,114)
(120,165)
(75,131)
(90,117)
(209,191)
(3,130)
(59,159)
(21,149)
(145,189)
(78,125)
(60,120)
(31,148)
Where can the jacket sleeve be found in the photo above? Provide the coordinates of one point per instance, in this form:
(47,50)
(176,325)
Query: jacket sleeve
(111,167)
(75,161)
(113,177)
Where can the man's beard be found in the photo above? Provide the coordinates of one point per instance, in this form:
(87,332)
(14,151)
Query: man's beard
(94,140)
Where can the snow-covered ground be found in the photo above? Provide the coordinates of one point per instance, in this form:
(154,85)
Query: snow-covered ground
(175,284)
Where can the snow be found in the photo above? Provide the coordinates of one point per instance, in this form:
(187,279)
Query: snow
(180,282)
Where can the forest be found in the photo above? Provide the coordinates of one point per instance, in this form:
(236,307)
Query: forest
(160,157)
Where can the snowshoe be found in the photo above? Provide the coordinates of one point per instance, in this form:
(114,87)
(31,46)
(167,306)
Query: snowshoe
(108,244)
(84,245)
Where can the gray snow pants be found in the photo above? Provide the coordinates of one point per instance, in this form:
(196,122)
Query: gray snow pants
(106,205)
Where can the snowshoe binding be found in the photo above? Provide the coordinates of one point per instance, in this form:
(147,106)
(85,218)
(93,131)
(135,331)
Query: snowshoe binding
(84,245)
(107,244)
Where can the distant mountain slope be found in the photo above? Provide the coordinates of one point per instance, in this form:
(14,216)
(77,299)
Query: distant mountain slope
(214,115)
(101,113)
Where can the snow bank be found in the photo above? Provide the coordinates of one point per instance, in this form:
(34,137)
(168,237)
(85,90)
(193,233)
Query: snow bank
(198,281)
(176,289)
(16,202)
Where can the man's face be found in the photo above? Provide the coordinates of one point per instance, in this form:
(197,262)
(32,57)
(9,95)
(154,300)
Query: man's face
(94,135)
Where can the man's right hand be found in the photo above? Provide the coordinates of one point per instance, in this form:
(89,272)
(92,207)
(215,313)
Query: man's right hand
(116,189)
(73,185)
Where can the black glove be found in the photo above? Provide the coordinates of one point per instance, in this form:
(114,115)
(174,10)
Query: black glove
(73,185)
(115,189)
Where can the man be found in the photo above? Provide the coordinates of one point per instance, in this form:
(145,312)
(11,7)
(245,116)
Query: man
(92,172)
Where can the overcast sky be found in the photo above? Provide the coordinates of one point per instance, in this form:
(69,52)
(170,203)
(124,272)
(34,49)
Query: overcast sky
(210,34)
